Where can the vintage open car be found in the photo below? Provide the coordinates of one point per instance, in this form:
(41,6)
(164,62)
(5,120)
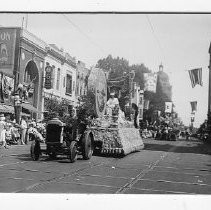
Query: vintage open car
(62,139)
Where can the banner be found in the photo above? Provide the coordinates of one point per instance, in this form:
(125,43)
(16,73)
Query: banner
(8,50)
(150,82)
(193,106)
(48,77)
(141,106)
(168,107)
(146,104)
(192,117)
(195,77)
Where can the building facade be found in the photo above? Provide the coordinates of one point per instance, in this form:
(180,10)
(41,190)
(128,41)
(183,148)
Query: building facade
(63,76)
(82,79)
(30,72)
(22,61)
(34,70)
(164,84)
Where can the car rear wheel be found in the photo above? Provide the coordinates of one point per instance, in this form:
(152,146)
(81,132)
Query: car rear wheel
(52,155)
(87,146)
(35,150)
(73,153)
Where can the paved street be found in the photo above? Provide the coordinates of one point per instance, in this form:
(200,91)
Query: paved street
(163,167)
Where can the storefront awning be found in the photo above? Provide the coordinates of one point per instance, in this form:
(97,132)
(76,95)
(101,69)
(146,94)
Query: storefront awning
(6,109)
(24,114)
(29,107)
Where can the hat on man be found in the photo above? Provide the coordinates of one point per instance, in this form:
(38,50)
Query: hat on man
(112,93)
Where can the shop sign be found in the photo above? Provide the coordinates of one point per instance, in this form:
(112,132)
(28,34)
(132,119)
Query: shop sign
(48,77)
(8,48)
(150,82)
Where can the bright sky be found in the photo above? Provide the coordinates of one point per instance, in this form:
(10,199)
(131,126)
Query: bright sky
(179,41)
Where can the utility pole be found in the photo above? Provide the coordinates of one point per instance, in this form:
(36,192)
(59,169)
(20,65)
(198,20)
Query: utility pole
(26,25)
(22,22)
(25,21)
(209,90)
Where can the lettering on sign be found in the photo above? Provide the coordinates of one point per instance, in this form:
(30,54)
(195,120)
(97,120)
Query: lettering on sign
(5,36)
(8,38)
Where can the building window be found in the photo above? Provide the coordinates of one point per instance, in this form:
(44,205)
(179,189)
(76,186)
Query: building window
(53,76)
(69,84)
(64,82)
(81,91)
(58,79)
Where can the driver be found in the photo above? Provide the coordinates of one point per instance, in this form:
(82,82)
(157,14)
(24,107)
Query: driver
(111,103)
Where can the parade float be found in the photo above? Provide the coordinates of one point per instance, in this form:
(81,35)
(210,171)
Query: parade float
(111,132)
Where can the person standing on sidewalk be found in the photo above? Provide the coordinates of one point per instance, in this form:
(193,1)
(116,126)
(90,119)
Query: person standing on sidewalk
(27,133)
(23,130)
(2,131)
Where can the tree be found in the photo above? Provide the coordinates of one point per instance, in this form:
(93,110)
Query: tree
(86,106)
(140,69)
(56,108)
(116,66)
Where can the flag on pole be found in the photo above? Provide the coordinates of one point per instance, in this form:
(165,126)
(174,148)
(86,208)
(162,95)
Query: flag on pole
(193,106)
(195,77)
(168,107)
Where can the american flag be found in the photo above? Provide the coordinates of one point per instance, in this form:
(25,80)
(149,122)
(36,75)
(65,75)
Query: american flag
(195,77)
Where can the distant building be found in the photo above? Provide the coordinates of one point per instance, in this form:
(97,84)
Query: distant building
(82,79)
(163,84)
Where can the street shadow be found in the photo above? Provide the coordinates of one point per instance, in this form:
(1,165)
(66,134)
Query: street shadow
(196,148)
(43,158)
(63,158)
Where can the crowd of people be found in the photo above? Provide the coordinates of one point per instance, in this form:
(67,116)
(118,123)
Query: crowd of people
(163,131)
(12,133)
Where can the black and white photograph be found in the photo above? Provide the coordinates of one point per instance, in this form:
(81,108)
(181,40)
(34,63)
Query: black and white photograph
(105,102)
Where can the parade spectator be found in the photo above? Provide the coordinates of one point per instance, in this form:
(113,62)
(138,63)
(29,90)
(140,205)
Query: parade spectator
(136,120)
(8,135)
(34,133)
(27,133)
(2,131)
(23,130)
(15,133)
(187,133)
